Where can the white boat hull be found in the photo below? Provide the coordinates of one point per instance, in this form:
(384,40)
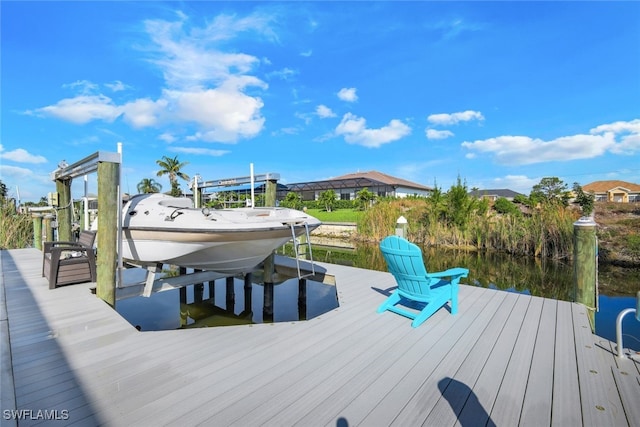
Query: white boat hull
(228,241)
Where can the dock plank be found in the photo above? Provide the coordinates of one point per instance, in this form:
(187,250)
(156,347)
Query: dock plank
(515,357)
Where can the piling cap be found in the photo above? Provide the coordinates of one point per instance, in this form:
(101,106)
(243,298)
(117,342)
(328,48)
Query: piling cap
(401,220)
(585,221)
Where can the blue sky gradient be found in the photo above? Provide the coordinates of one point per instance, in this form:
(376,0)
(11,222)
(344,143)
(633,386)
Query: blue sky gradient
(501,94)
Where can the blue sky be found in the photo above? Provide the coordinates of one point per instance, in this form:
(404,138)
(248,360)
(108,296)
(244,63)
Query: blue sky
(501,94)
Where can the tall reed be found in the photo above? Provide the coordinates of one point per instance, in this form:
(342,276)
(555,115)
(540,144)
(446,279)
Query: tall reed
(16,230)
(546,232)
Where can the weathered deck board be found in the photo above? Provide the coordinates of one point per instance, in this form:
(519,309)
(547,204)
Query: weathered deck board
(505,359)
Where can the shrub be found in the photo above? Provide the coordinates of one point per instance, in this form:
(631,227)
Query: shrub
(504,206)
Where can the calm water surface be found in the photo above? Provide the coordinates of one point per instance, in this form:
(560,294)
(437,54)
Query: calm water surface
(221,304)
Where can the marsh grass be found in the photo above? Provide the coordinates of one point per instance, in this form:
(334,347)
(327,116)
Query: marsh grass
(16,230)
(546,232)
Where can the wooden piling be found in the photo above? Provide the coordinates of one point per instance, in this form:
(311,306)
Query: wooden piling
(270,192)
(585,265)
(108,204)
(269,200)
(47,225)
(231,293)
(63,187)
(302,299)
(37,231)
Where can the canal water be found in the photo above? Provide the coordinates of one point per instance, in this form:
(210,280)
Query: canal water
(223,303)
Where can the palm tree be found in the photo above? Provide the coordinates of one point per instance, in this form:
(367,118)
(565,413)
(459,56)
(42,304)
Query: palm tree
(172,168)
(149,185)
(328,199)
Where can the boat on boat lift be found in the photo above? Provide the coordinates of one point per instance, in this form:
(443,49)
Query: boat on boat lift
(161,229)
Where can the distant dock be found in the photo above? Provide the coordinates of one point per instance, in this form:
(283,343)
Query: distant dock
(505,359)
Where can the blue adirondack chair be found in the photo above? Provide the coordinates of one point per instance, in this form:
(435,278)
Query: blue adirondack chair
(405,263)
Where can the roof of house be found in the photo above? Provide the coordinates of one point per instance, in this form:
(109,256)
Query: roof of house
(501,192)
(604,186)
(359,180)
(383,178)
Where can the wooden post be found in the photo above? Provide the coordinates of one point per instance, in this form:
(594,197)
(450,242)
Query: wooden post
(108,205)
(230,294)
(63,187)
(37,231)
(48,228)
(248,289)
(585,265)
(267,308)
(270,192)
(302,299)
(269,262)
(401,227)
(212,291)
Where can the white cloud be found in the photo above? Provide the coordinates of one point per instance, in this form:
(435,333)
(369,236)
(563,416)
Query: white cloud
(619,127)
(14,172)
(324,112)
(629,145)
(629,133)
(199,151)
(522,150)
(82,109)
(143,112)
(167,137)
(21,155)
(284,74)
(438,134)
(348,94)
(616,138)
(455,118)
(355,131)
(223,115)
(116,86)
(306,53)
(520,183)
(84,87)
(203,85)
(191,57)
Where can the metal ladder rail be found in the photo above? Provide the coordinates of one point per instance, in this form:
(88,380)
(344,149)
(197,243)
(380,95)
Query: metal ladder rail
(296,246)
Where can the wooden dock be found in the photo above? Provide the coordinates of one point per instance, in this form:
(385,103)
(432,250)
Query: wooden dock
(504,360)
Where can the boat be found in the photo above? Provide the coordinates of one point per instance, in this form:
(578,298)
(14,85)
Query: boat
(161,229)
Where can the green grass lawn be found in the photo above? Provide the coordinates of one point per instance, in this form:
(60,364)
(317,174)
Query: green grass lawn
(338,215)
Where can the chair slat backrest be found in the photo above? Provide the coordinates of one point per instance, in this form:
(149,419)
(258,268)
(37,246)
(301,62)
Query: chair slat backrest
(87,238)
(405,263)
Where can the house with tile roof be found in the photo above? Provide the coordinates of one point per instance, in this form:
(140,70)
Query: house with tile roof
(614,191)
(346,186)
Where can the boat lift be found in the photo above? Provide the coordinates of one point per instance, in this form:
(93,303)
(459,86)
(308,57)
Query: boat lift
(251,179)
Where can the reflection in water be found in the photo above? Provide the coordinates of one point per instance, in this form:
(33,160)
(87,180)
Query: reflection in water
(227,302)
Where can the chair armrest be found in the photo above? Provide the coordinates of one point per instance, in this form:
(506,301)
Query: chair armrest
(452,272)
(48,246)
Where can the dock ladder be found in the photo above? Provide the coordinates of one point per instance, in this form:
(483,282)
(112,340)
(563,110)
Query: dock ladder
(297,244)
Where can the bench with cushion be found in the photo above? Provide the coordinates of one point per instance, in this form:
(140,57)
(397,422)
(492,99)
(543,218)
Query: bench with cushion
(64,263)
